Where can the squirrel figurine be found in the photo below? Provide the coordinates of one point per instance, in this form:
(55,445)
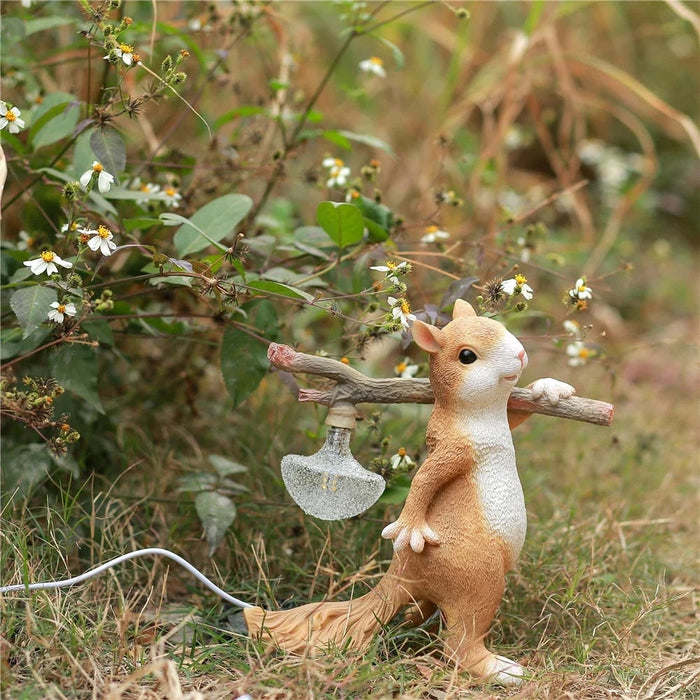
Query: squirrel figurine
(463,523)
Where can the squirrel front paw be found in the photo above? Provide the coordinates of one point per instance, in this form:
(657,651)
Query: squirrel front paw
(416,535)
(551,389)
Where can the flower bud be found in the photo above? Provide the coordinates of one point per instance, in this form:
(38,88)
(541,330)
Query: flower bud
(70,190)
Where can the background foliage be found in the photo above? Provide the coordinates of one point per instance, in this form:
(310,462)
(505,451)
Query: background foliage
(556,137)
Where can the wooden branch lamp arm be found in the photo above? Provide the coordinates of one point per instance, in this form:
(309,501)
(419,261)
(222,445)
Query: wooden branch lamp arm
(355,387)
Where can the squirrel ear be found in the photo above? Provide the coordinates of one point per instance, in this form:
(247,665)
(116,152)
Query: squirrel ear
(462,308)
(428,337)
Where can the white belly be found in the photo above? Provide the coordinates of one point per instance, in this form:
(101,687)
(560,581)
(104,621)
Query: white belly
(496,476)
(501,495)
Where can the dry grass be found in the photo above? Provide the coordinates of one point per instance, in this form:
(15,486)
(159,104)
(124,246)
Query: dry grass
(604,604)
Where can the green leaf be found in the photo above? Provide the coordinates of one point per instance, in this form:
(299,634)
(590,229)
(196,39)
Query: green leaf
(279,288)
(23,469)
(342,222)
(244,358)
(31,306)
(394,495)
(216,512)
(54,119)
(213,222)
(41,24)
(369,140)
(12,343)
(337,138)
(378,218)
(244,111)
(108,147)
(395,50)
(75,368)
(141,223)
(202,481)
(225,466)
(99,329)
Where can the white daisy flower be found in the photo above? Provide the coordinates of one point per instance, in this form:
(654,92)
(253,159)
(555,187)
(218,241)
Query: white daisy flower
(126,53)
(401,459)
(406,370)
(148,188)
(434,234)
(337,172)
(401,311)
(517,285)
(60,311)
(46,262)
(25,242)
(373,65)
(104,179)
(578,353)
(572,328)
(172,197)
(100,239)
(10,118)
(393,270)
(580,290)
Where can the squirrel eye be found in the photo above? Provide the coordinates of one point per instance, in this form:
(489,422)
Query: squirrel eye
(466,356)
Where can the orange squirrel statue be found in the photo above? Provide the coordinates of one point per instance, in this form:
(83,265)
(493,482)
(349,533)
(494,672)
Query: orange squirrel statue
(463,524)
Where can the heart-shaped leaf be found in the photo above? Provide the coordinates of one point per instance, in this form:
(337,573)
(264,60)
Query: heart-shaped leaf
(342,222)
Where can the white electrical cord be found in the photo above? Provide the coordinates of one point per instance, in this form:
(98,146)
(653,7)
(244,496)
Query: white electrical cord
(118,560)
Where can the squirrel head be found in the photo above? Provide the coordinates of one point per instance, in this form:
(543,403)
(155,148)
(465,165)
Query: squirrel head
(474,360)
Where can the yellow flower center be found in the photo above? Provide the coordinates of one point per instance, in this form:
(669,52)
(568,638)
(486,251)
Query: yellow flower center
(170,191)
(402,452)
(47,256)
(431,229)
(376,61)
(401,367)
(103,231)
(145,187)
(582,288)
(61,308)
(10,116)
(405,308)
(345,360)
(584,353)
(126,48)
(391,264)
(520,280)
(338,162)
(354,194)
(97,167)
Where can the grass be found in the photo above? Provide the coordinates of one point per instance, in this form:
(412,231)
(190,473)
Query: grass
(603,604)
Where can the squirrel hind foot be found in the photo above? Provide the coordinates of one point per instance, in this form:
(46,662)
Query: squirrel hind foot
(504,671)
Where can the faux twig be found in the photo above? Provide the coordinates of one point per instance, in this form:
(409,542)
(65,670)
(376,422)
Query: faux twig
(355,387)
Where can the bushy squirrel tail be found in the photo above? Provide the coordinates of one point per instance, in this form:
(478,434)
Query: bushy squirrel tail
(312,627)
